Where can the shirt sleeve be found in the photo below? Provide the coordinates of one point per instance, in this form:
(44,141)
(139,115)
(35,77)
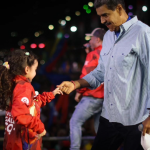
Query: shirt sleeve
(45,97)
(144,41)
(22,98)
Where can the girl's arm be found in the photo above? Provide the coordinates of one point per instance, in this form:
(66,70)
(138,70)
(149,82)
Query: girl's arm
(44,98)
(47,97)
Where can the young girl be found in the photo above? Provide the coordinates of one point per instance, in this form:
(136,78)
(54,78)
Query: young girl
(23,127)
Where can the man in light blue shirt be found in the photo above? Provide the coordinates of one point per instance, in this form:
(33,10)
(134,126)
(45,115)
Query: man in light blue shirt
(124,67)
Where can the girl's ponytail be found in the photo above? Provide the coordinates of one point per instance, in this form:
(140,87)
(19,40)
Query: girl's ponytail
(6,85)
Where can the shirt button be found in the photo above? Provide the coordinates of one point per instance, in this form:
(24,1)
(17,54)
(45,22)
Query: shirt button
(112,56)
(109,92)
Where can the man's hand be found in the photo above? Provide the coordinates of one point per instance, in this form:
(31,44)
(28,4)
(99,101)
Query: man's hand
(146,126)
(66,87)
(78,97)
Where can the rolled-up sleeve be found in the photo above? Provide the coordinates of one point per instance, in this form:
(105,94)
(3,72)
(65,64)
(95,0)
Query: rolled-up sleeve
(96,77)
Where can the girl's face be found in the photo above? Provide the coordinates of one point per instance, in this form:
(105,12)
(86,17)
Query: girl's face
(31,71)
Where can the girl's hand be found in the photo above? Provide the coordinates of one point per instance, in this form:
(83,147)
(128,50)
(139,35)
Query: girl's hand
(42,134)
(57,91)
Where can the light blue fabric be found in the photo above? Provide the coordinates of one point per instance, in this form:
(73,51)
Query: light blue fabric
(124,67)
(87,107)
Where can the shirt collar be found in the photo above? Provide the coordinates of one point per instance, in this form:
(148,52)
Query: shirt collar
(20,77)
(129,23)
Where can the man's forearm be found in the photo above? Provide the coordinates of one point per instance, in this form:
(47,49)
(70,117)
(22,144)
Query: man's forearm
(81,83)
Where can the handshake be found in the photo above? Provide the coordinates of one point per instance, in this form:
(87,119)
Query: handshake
(65,87)
(69,86)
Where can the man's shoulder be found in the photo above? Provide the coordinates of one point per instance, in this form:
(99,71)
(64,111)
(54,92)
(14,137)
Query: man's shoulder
(108,39)
(142,27)
(108,33)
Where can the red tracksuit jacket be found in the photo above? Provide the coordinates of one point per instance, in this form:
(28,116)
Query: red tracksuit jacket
(22,120)
(90,64)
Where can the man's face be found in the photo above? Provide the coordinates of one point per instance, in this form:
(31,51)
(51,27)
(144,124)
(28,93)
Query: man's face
(93,42)
(110,18)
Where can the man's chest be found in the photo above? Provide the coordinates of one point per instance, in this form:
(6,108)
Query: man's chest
(120,56)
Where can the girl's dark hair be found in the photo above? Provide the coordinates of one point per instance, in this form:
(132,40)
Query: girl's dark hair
(17,61)
(111,4)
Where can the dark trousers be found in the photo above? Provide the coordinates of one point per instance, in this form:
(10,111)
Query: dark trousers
(111,135)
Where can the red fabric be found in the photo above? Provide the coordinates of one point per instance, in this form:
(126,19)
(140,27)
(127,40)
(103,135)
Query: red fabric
(20,124)
(62,104)
(91,63)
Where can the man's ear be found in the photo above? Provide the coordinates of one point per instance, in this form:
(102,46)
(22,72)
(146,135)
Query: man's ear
(119,9)
(99,40)
(26,69)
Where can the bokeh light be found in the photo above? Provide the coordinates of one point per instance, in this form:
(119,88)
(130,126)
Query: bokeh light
(73,28)
(87,38)
(36,34)
(130,14)
(68,18)
(66,36)
(63,22)
(22,47)
(90,4)
(13,34)
(85,7)
(33,46)
(41,45)
(25,40)
(59,35)
(88,11)
(77,13)
(144,8)
(42,62)
(130,7)
(51,27)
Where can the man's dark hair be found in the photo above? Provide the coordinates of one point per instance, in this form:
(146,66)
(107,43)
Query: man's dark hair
(111,4)
(99,33)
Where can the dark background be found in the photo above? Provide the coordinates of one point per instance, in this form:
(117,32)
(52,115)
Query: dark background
(25,18)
